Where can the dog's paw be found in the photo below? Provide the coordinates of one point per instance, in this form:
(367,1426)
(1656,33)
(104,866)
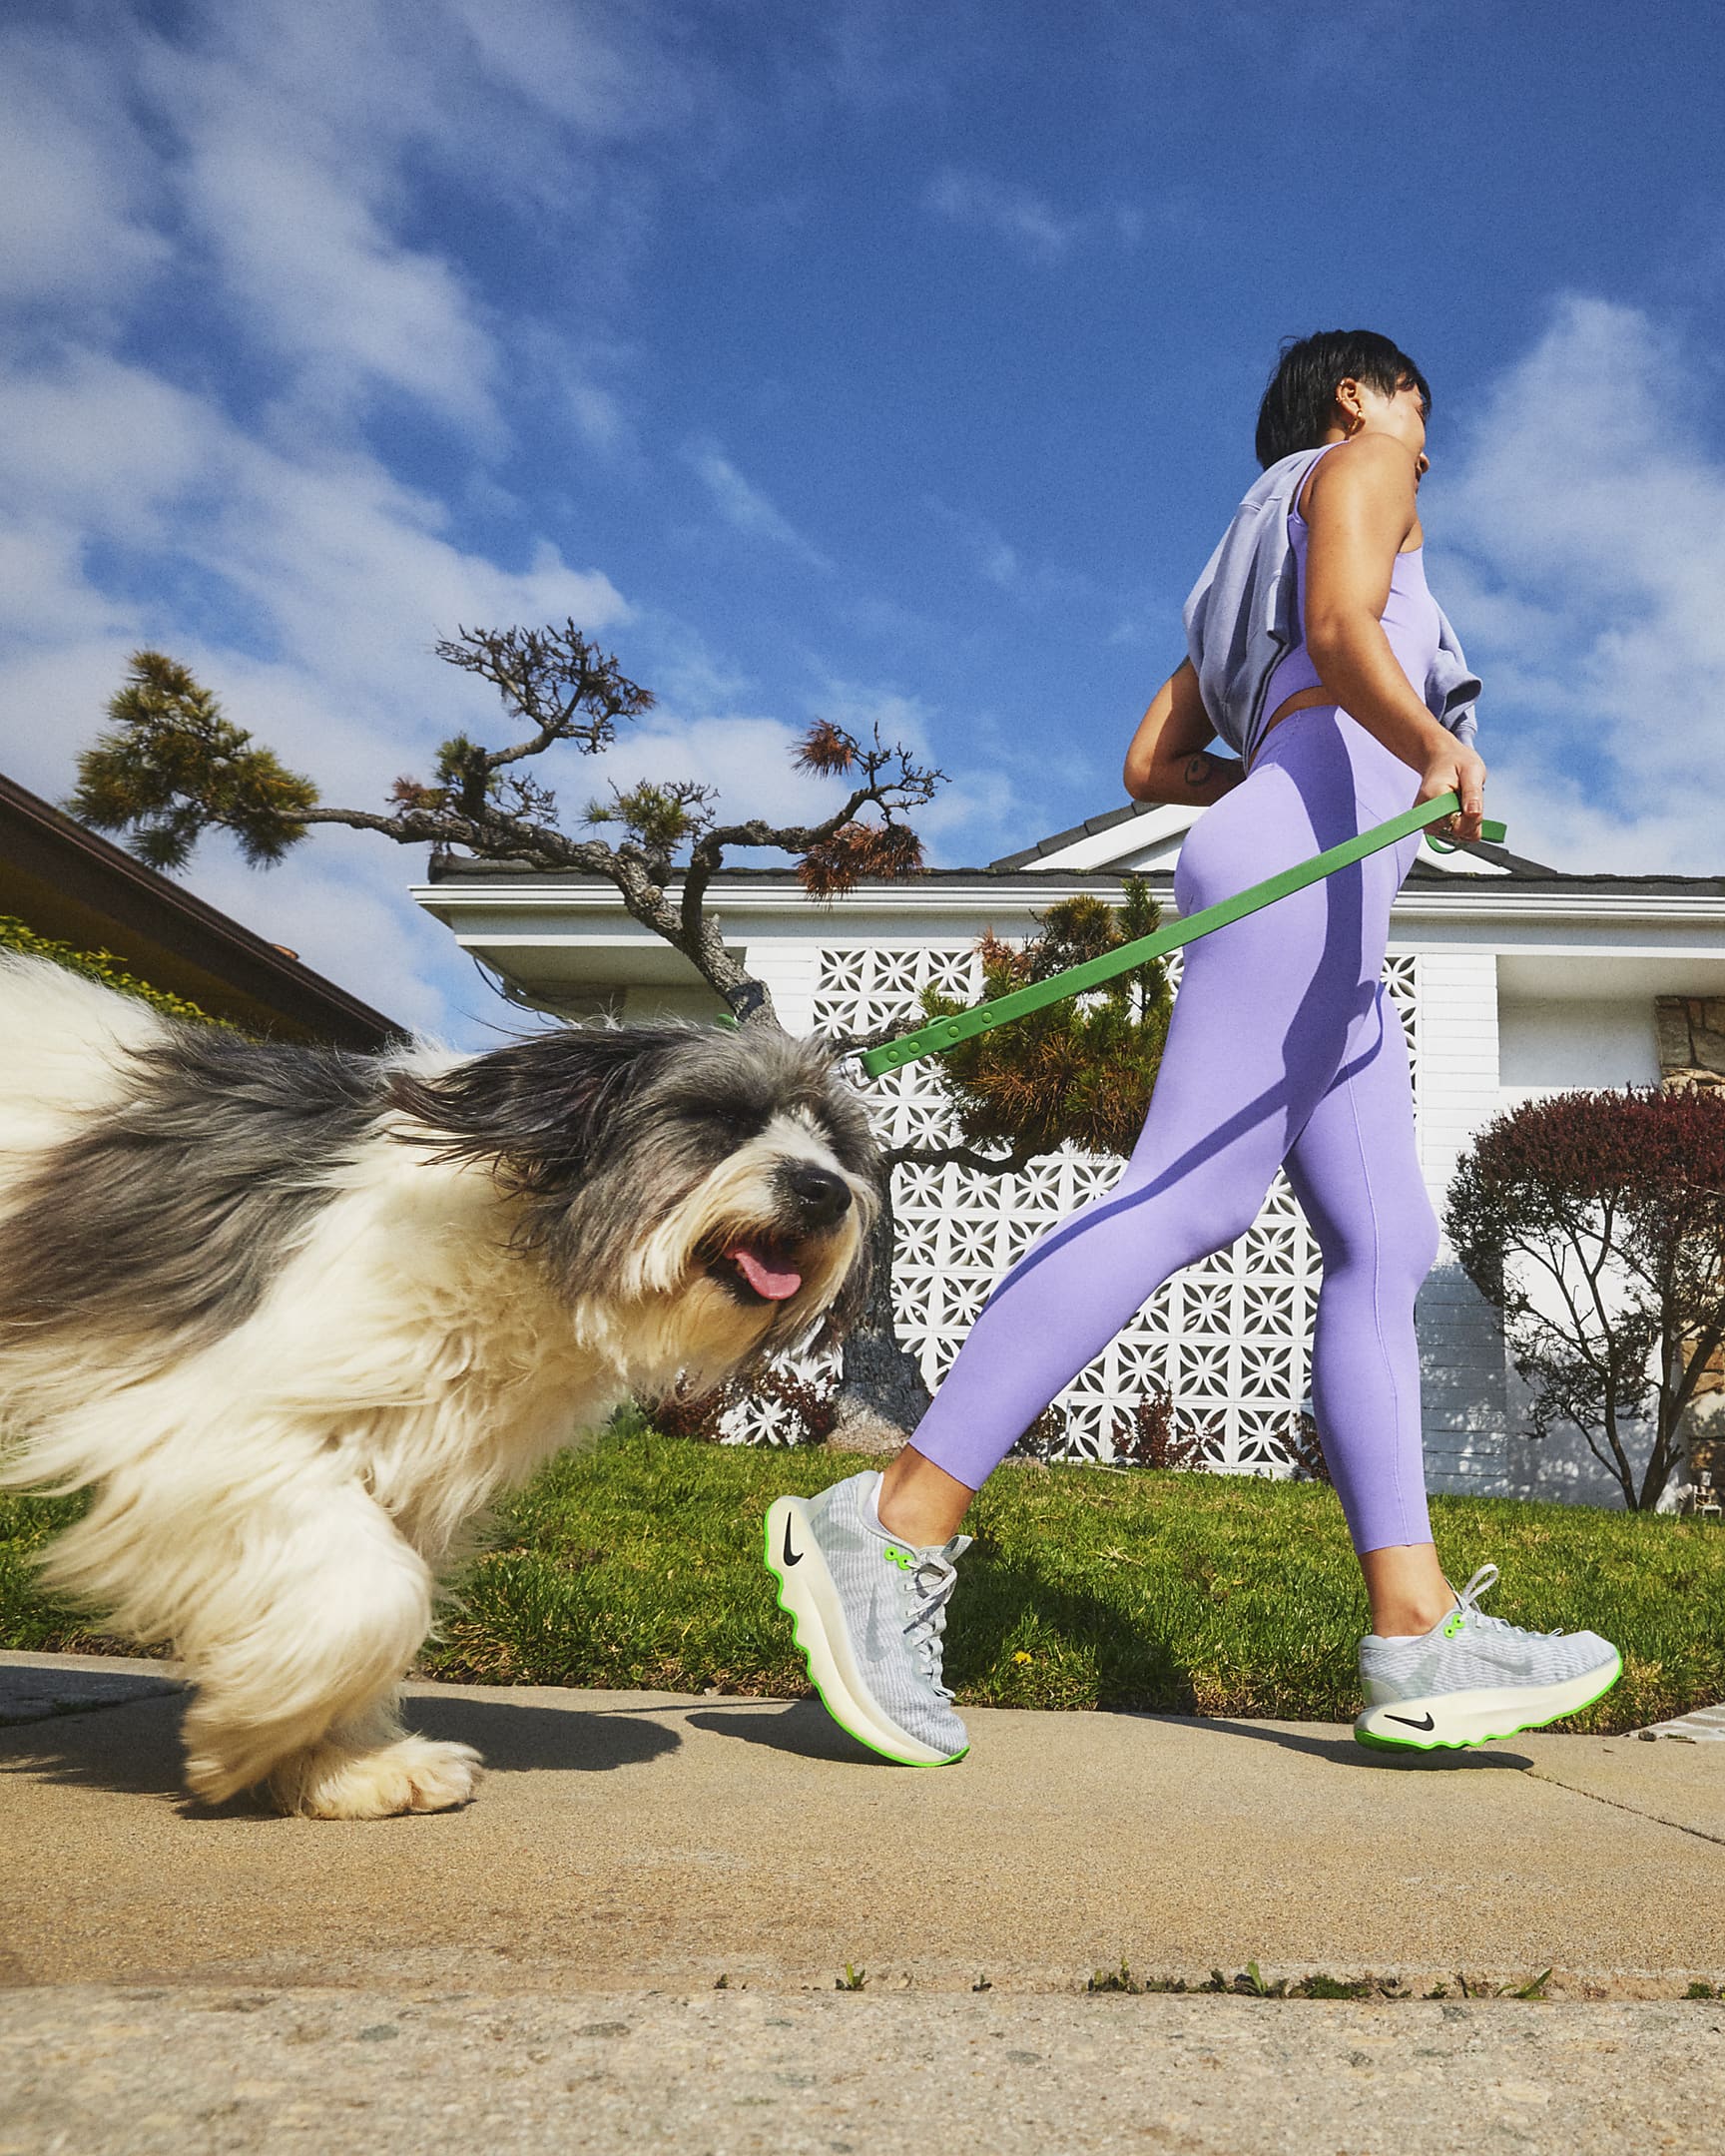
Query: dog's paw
(412,1775)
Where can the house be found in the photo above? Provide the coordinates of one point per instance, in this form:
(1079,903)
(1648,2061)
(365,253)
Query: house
(1512,979)
(71,886)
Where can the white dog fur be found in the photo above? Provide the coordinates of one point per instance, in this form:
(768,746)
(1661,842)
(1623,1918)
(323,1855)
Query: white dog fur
(296,1380)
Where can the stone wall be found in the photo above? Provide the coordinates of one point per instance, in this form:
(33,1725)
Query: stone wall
(1691,1034)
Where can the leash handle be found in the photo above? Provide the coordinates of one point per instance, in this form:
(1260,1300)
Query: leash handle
(945,1033)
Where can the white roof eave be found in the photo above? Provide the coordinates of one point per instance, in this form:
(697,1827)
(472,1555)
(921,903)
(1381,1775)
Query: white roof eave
(1506,898)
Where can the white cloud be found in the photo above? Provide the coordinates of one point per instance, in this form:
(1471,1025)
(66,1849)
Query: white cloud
(344,579)
(600,418)
(990,552)
(338,902)
(1583,537)
(315,274)
(74,177)
(609,71)
(1014,212)
(975,816)
(291,139)
(271,158)
(744,507)
(749,758)
(259,172)
(288,123)
(1035,584)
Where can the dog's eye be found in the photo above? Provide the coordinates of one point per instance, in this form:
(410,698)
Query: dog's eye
(733,1121)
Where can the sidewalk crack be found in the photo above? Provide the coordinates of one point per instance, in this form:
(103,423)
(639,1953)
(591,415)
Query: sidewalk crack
(1536,1773)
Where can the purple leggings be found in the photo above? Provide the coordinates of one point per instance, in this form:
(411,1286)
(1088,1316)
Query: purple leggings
(1282,1051)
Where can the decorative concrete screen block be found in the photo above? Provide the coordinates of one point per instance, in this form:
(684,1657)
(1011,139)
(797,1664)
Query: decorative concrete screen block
(1230,1337)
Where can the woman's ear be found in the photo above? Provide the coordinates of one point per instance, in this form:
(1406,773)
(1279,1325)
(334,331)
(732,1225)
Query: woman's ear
(536,1112)
(1349,402)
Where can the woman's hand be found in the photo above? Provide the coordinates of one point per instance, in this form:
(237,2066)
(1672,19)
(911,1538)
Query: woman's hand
(1454,767)
(1169,758)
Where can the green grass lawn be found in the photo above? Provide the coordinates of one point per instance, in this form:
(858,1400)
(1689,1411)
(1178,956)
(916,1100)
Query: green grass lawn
(638,1564)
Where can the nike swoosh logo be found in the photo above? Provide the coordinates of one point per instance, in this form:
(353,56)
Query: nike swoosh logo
(1427,1724)
(791,1556)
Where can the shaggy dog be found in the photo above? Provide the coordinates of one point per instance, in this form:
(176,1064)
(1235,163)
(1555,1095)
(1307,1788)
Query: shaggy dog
(299,1315)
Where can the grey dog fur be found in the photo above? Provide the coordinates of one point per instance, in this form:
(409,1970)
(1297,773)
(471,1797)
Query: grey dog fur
(173,1211)
(170,1211)
(603,1132)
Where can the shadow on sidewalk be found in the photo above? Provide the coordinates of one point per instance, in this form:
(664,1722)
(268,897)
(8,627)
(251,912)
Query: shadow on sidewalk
(517,1739)
(132,1747)
(1346,1751)
(802,1727)
(806,1729)
(134,1750)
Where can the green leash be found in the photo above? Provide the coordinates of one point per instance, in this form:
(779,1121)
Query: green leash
(947,1033)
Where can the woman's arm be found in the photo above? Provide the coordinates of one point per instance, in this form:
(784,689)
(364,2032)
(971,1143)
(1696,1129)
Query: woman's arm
(1360,508)
(1169,760)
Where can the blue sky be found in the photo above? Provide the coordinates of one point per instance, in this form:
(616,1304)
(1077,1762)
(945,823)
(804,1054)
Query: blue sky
(874,360)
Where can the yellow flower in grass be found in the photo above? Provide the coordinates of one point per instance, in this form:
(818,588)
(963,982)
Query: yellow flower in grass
(1020,1656)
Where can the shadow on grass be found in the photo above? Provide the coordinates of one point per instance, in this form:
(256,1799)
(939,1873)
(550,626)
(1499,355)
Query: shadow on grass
(1133,1668)
(135,1750)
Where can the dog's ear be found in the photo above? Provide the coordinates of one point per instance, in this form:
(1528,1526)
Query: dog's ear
(537,1111)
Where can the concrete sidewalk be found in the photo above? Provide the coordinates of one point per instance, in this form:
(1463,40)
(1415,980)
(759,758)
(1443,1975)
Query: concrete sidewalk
(635,1838)
(542,1972)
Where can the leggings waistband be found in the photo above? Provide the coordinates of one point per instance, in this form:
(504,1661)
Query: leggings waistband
(1305,745)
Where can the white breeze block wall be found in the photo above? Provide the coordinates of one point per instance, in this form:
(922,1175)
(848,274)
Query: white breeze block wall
(1230,1336)
(1448,998)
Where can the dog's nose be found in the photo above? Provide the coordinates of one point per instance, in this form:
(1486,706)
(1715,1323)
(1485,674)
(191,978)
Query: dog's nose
(823,1196)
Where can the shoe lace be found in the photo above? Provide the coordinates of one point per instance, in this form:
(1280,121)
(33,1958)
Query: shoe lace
(1468,1603)
(928,1585)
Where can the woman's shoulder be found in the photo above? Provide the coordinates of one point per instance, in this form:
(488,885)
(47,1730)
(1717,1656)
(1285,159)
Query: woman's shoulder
(1373,471)
(1374,462)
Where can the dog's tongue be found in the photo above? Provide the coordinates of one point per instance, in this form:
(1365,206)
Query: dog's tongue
(767,1275)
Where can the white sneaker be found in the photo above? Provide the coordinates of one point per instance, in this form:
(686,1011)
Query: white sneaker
(871,1618)
(1473,1678)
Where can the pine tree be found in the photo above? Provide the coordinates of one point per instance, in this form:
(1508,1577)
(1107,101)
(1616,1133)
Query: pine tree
(1081,1070)
(171,765)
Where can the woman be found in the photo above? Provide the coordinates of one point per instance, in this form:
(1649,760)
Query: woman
(1318,655)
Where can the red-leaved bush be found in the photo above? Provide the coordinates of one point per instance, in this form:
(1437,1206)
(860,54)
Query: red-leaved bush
(1596,1224)
(800,1411)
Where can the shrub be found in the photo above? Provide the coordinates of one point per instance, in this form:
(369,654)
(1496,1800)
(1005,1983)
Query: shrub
(1150,1436)
(1046,1439)
(96,966)
(1305,1453)
(1613,1207)
(808,1410)
(1081,1070)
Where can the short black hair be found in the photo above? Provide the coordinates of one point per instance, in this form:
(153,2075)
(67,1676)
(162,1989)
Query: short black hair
(1299,404)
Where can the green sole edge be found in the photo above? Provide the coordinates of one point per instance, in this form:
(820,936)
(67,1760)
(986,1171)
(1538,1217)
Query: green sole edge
(1374,1742)
(856,1736)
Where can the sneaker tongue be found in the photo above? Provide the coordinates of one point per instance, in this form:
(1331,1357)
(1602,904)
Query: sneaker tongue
(768,1275)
